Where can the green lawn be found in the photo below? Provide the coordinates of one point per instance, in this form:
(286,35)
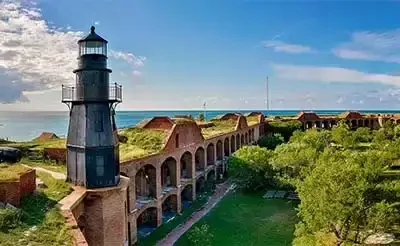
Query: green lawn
(165,228)
(241,219)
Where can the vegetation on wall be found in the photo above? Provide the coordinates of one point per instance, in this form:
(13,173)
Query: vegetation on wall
(141,142)
(219,127)
(252,120)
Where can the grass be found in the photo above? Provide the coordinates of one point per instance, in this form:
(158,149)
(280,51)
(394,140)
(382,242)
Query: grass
(219,127)
(164,229)
(252,120)
(11,171)
(39,145)
(41,222)
(248,219)
(47,164)
(141,142)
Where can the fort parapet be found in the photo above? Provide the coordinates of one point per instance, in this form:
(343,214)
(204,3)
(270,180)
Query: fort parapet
(162,181)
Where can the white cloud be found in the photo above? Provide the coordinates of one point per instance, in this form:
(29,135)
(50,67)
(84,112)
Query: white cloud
(34,54)
(135,61)
(97,23)
(280,46)
(331,74)
(371,46)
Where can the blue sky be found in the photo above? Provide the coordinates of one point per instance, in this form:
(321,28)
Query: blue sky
(177,54)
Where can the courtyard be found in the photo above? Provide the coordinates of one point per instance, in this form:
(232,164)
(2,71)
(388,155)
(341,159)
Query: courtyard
(249,219)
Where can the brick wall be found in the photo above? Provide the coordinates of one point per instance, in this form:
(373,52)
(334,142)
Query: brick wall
(13,191)
(159,123)
(188,134)
(56,154)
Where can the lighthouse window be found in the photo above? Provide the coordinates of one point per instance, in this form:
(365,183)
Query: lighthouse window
(99,166)
(98,121)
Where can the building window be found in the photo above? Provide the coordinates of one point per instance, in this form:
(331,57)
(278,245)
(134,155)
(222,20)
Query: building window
(177,140)
(98,121)
(99,166)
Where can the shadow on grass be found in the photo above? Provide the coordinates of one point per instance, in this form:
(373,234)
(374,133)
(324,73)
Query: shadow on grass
(166,228)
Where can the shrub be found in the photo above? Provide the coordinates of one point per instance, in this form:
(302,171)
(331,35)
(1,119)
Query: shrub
(285,128)
(271,141)
(200,235)
(9,218)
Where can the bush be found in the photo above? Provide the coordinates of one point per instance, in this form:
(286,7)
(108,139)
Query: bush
(271,141)
(200,117)
(285,128)
(9,218)
(200,236)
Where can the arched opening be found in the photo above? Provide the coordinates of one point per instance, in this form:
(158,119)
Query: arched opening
(253,135)
(200,186)
(145,181)
(226,147)
(82,224)
(309,125)
(325,124)
(146,222)
(354,123)
(366,122)
(220,154)
(210,154)
(233,144)
(200,159)
(210,185)
(220,172)
(242,140)
(360,123)
(318,124)
(168,173)
(246,138)
(169,208)
(186,165)
(187,196)
(250,138)
(332,123)
(237,142)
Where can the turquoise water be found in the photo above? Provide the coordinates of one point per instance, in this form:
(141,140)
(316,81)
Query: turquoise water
(22,126)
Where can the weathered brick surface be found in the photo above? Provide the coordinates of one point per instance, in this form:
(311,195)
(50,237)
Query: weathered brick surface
(56,154)
(13,191)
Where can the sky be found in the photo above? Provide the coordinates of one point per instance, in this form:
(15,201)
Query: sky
(175,54)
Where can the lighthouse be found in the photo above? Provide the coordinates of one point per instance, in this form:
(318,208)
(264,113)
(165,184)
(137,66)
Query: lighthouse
(92,143)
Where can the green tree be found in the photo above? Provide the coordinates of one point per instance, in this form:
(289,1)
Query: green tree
(336,197)
(250,168)
(271,141)
(285,128)
(200,235)
(342,135)
(201,117)
(362,134)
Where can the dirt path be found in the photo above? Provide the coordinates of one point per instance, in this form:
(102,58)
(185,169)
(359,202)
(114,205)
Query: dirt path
(174,235)
(55,175)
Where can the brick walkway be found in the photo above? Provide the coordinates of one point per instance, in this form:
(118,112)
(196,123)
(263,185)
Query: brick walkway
(174,235)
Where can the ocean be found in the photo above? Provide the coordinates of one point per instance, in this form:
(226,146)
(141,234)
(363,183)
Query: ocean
(24,126)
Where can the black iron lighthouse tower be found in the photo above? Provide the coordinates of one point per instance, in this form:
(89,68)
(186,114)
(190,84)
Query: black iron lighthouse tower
(92,144)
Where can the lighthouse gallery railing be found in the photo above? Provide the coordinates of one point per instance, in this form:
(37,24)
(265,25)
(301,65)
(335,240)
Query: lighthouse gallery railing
(79,93)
